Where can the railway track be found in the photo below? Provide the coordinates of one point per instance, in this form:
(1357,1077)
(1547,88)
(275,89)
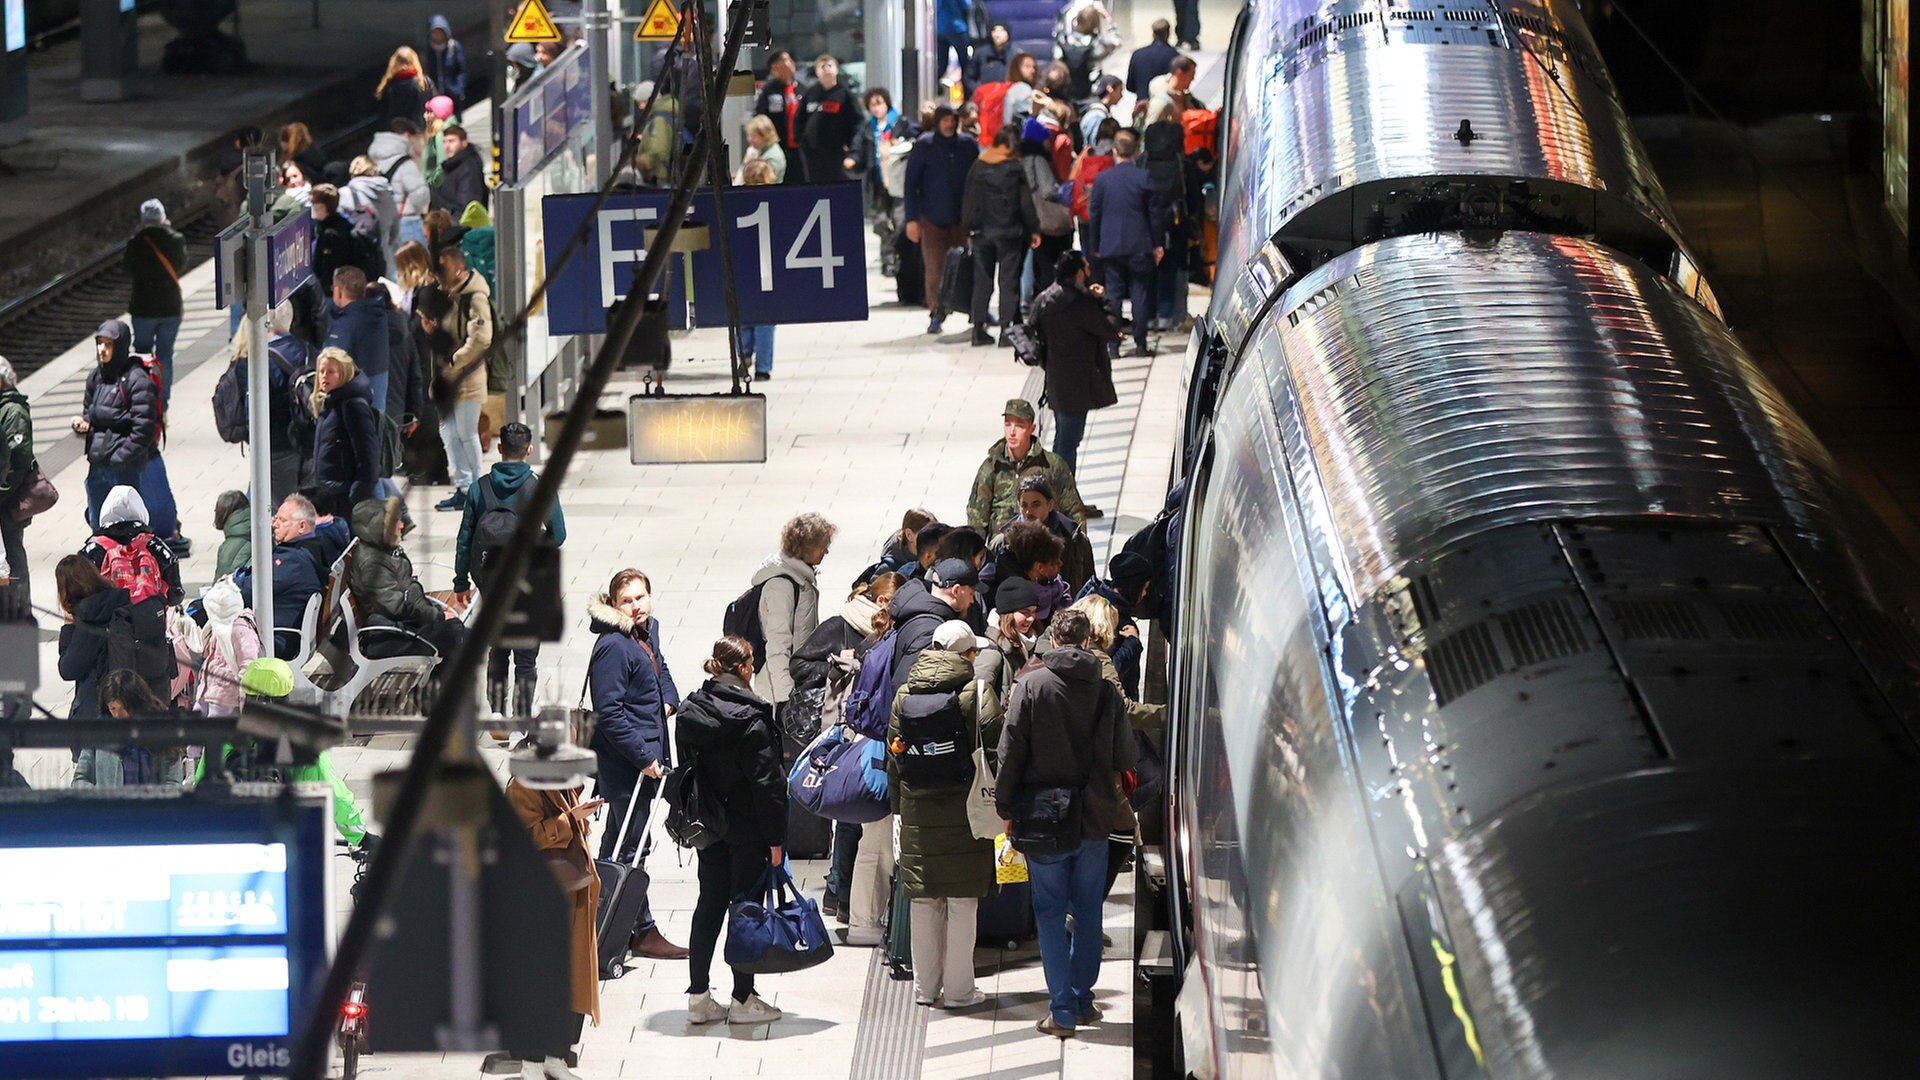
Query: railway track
(37,327)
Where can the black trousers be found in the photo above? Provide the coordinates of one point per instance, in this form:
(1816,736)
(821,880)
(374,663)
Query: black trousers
(541,1053)
(1000,258)
(526,665)
(728,872)
(620,784)
(1131,277)
(13,536)
(1186,20)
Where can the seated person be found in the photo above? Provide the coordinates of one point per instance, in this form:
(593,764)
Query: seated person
(305,547)
(1030,550)
(381,579)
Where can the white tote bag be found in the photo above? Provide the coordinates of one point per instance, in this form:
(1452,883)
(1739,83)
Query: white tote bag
(982,817)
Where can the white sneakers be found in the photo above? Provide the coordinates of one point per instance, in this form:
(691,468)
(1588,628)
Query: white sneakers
(550,1069)
(752,1011)
(865,936)
(702,1009)
(966,1001)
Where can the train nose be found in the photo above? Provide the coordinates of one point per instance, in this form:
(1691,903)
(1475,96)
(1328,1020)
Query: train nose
(1680,924)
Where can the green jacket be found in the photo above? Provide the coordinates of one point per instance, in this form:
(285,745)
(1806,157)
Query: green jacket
(347,820)
(16,436)
(236,544)
(938,853)
(381,577)
(996,487)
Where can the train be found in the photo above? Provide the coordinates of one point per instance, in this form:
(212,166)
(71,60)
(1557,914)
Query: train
(1542,702)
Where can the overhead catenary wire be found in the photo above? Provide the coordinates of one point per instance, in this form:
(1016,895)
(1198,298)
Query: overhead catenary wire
(456,699)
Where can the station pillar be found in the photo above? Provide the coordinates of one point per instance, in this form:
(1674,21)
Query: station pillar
(109,49)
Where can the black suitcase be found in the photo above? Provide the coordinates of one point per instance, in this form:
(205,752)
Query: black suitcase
(899,941)
(1005,916)
(956,281)
(808,836)
(623,888)
(910,280)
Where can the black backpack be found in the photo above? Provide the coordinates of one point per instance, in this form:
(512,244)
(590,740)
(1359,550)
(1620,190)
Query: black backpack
(1151,544)
(935,746)
(743,619)
(695,816)
(498,518)
(230,397)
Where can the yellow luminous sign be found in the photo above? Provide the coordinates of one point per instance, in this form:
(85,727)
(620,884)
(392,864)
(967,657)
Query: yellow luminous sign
(697,428)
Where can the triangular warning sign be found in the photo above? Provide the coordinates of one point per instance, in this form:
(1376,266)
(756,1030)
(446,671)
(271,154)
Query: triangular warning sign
(532,24)
(661,24)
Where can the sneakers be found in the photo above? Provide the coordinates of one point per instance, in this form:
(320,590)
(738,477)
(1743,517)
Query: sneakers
(933,324)
(1093,512)
(455,501)
(1046,1026)
(981,336)
(865,936)
(965,1001)
(702,1009)
(762,376)
(551,1069)
(752,1011)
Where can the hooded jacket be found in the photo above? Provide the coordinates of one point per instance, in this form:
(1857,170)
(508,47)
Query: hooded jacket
(471,324)
(917,613)
(998,204)
(346,447)
(300,569)
(854,624)
(447,67)
(394,158)
(83,649)
(726,735)
(1077,329)
(361,329)
(507,478)
(789,614)
(939,856)
(156,258)
(228,643)
(996,486)
(16,439)
(629,684)
(123,516)
(123,409)
(236,544)
(379,196)
(381,577)
(463,180)
(1066,726)
(937,177)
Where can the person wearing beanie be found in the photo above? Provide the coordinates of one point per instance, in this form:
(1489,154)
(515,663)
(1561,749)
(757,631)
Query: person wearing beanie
(156,256)
(1016,605)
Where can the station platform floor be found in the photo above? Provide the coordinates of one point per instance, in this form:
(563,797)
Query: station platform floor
(74,187)
(866,420)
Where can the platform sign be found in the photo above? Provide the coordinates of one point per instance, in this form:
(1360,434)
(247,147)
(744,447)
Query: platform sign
(799,255)
(229,266)
(16,18)
(289,256)
(693,429)
(158,937)
(661,23)
(531,25)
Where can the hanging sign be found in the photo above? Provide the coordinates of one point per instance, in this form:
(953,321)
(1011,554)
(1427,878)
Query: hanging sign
(531,25)
(662,23)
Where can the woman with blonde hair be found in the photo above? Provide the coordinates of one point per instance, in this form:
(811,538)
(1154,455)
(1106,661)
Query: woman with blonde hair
(296,145)
(404,89)
(412,268)
(346,436)
(763,144)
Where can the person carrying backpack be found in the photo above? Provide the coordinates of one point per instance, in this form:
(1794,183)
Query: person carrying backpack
(939,717)
(491,515)
(781,607)
(129,555)
(120,418)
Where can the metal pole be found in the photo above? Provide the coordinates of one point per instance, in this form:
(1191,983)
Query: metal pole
(497,16)
(254,167)
(599,41)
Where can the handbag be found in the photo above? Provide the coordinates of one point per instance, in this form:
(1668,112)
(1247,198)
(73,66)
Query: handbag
(695,819)
(1009,866)
(799,715)
(780,932)
(581,718)
(982,817)
(1046,818)
(35,495)
(830,779)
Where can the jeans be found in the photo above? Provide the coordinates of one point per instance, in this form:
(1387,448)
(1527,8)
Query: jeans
(1131,277)
(413,228)
(102,479)
(1001,258)
(460,431)
(961,48)
(377,385)
(846,845)
(1170,284)
(157,492)
(621,784)
(1071,883)
(1068,429)
(757,342)
(727,872)
(941,943)
(1186,20)
(156,335)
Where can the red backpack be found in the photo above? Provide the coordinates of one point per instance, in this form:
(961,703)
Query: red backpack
(1085,172)
(150,364)
(132,566)
(992,101)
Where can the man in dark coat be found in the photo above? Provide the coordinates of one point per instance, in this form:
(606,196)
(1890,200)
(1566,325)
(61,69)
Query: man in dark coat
(999,214)
(120,418)
(334,244)
(156,256)
(463,176)
(989,61)
(445,61)
(1128,220)
(358,324)
(1151,61)
(305,547)
(917,613)
(627,681)
(779,101)
(936,189)
(1071,318)
(829,116)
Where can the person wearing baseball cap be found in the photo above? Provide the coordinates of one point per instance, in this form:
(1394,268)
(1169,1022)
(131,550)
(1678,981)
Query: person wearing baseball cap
(996,486)
(492,507)
(942,714)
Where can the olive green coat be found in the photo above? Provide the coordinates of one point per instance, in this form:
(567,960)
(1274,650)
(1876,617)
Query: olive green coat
(939,855)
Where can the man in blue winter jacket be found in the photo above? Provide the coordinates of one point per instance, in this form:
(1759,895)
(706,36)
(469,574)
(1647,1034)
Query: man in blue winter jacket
(936,186)
(305,547)
(632,693)
(358,324)
(1128,219)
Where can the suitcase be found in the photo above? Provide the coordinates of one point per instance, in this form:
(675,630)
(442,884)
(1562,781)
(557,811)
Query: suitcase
(809,836)
(899,942)
(623,888)
(910,279)
(1005,916)
(956,281)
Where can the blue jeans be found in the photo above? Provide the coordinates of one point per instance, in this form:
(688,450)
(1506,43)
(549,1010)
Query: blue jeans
(378,385)
(413,228)
(460,431)
(1071,883)
(102,479)
(157,492)
(757,342)
(156,336)
(1170,285)
(1068,429)
(846,845)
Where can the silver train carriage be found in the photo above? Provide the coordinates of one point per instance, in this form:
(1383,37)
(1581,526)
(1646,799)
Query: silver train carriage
(1543,703)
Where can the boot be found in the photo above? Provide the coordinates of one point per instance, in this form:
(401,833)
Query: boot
(652,945)
(523,698)
(497,696)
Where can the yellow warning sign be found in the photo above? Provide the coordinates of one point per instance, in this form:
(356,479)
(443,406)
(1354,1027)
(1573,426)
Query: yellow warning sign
(661,24)
(532,24)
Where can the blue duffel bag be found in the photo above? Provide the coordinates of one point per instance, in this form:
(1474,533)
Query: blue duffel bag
(778,933)
(841,776)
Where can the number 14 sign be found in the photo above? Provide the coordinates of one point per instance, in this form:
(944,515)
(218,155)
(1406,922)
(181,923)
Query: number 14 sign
(799,255)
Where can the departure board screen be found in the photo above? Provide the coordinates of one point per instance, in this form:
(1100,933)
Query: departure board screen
(144,938)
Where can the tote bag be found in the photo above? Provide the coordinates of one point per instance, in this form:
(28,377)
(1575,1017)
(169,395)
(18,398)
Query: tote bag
(780,932)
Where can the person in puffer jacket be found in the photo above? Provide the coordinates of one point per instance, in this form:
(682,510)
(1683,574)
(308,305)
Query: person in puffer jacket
(228,643)
(383,583)
(370,191)
(120,418)
(394,160)
(998,211)
(944,868)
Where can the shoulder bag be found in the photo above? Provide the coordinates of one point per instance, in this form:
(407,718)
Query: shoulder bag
(778,932)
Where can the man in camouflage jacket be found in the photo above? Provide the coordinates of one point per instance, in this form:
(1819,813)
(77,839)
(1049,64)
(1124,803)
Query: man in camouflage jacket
(996,487)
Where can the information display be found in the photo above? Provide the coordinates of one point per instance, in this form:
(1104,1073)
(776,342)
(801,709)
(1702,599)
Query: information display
(157,939)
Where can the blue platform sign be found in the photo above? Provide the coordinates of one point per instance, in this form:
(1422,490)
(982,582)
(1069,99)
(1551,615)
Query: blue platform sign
(799,255)
(289,256)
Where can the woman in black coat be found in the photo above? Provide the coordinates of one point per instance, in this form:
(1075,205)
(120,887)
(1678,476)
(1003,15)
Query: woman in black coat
(1071,318)
(404,89)
(90,602)
(346,435)
(727,738)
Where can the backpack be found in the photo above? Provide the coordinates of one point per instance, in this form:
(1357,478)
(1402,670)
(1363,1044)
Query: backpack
(893,167)
(301,421)
(132,566)
(869,703)
(137,641)
(150,364)
(696,818)
(1085,172)
(230,402)
(992,100)
(935,746)
(1151,543)
(1056,219)
(367,253)
(742,619)
(498,518)
(1201,128)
